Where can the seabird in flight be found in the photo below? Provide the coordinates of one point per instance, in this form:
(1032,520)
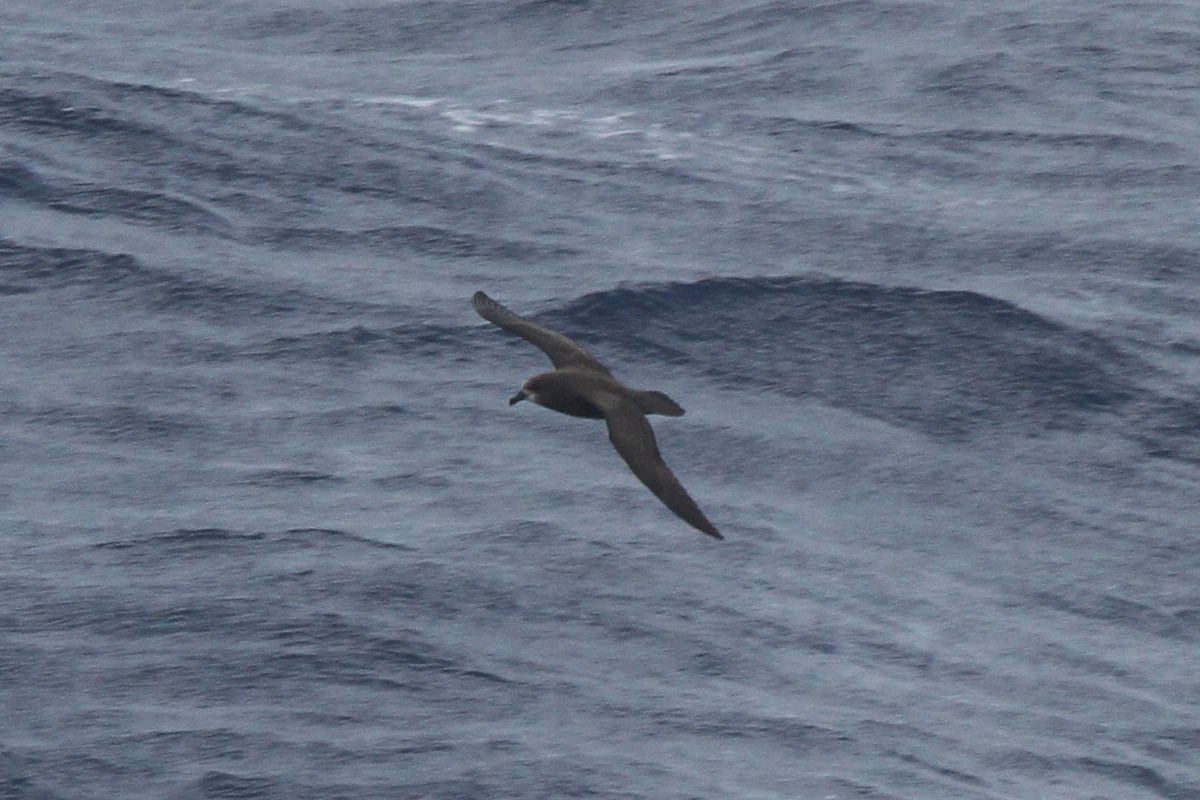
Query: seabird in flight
(581,386)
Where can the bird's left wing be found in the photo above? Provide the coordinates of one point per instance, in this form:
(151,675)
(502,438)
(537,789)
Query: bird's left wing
(631,434)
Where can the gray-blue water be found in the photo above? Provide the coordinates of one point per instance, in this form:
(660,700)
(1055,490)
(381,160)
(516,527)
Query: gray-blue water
(925,275)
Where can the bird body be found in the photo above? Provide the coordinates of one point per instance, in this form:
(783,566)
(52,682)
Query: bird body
(581,386)
(566,391)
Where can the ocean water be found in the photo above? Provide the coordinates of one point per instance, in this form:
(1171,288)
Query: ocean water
(925,275)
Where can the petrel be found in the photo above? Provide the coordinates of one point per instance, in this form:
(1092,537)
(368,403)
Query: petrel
(583,387)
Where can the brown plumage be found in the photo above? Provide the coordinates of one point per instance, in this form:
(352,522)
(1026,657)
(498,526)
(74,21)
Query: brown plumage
(583,387)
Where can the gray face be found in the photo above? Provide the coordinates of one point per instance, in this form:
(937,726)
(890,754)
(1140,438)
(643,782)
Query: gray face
(527,392)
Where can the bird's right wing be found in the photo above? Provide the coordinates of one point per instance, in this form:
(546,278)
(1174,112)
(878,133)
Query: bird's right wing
(630,432)
(562,351)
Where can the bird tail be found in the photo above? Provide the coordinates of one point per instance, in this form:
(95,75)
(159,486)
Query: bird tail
(657,403)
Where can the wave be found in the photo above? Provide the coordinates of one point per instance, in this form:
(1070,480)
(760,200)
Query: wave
(202,543)
(951,364)
(399,240)
(97,274)
(354,343)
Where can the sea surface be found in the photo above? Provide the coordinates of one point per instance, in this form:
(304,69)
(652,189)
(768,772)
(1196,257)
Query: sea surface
(925,276)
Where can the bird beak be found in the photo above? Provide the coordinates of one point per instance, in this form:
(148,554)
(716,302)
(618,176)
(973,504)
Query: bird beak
(516,398)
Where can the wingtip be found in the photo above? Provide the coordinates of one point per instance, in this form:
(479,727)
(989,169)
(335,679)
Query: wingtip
(704,526)
(484,304)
